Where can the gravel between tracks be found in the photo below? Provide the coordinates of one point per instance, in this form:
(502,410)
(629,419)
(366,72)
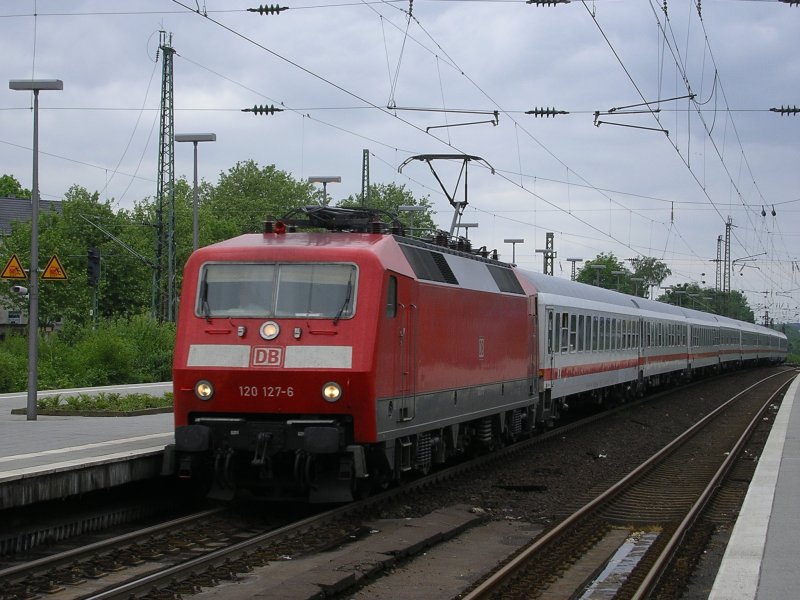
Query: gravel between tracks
(558,476)
(530,491)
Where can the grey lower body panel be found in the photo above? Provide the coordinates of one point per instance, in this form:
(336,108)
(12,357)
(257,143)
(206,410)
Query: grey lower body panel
(448,407)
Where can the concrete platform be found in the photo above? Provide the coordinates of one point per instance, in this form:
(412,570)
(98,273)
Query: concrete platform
(762,560)
(55,457)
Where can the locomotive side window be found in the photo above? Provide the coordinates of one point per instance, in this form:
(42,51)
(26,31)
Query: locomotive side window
(391,297)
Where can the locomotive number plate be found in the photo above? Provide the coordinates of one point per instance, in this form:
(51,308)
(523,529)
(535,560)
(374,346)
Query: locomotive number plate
(266,391)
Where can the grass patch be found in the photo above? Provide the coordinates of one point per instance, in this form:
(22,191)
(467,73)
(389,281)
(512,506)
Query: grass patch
(104,402)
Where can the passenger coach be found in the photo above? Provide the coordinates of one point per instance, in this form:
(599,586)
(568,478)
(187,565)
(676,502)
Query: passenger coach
(599,343)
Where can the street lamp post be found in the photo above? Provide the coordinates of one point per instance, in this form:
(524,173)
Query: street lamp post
(547,255)
(466,227)
(597,269)
(411,208)
(195,138)
(514,242)
(637,281)
(573,261)
(618,273)
(35,86)
(325,180)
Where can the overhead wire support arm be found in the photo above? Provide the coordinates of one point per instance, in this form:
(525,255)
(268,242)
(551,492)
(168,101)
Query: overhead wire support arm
(547,2)
(495,122)
(623,110)
(461,111)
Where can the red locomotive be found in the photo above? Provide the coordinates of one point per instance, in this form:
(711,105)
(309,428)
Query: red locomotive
(317,365)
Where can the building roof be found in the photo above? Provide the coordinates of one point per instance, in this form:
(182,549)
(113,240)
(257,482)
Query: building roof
(19,209)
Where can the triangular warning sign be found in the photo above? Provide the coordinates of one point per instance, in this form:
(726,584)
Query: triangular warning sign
(54,270)
(13,269)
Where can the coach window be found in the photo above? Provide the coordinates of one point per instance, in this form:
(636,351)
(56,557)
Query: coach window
(573,332)
(581,333)
(588,335)
(603,334)
(607,333)
(550,331)
(564,332)
(559,333)
(595,341)
(613,335)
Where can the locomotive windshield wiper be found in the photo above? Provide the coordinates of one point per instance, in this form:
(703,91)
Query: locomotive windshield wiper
(204,300)
(346,299)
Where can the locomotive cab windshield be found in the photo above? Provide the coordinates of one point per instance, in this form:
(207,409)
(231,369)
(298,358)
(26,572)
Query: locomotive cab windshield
(288,290)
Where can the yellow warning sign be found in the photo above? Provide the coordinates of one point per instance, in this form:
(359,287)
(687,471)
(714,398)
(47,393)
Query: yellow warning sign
(13,269)
(54,270)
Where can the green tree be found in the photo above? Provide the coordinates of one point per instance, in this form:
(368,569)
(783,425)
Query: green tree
(11,188)
(124,283)
(600,271)
(651,271)
(245,196)
(390,197)
(691,295)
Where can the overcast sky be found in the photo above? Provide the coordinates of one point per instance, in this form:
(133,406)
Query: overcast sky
(656,184)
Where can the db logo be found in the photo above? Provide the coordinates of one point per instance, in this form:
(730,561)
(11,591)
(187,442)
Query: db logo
(267,356)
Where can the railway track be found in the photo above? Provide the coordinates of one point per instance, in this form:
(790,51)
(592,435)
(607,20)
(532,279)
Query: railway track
(183,555)
(189,555)
(74,573)
(625,540)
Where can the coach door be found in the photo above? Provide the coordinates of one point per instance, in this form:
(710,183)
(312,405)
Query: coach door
(551,347)
(408,314)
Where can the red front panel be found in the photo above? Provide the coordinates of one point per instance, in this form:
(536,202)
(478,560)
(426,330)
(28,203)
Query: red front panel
(283,377)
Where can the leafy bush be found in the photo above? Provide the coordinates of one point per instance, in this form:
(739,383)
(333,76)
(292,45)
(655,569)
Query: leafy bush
(114,352)
(13,364)
(105,402)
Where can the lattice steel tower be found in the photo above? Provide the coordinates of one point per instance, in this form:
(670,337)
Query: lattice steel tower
(726,276)
(164,299)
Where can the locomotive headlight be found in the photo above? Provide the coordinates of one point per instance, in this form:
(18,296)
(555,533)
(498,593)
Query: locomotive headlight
(203,390)
(331,391)
(269,330)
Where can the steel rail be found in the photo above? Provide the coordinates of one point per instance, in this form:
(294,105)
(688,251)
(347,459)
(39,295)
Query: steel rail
(69,556)
(485,589)
(661,563)
(219,557)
